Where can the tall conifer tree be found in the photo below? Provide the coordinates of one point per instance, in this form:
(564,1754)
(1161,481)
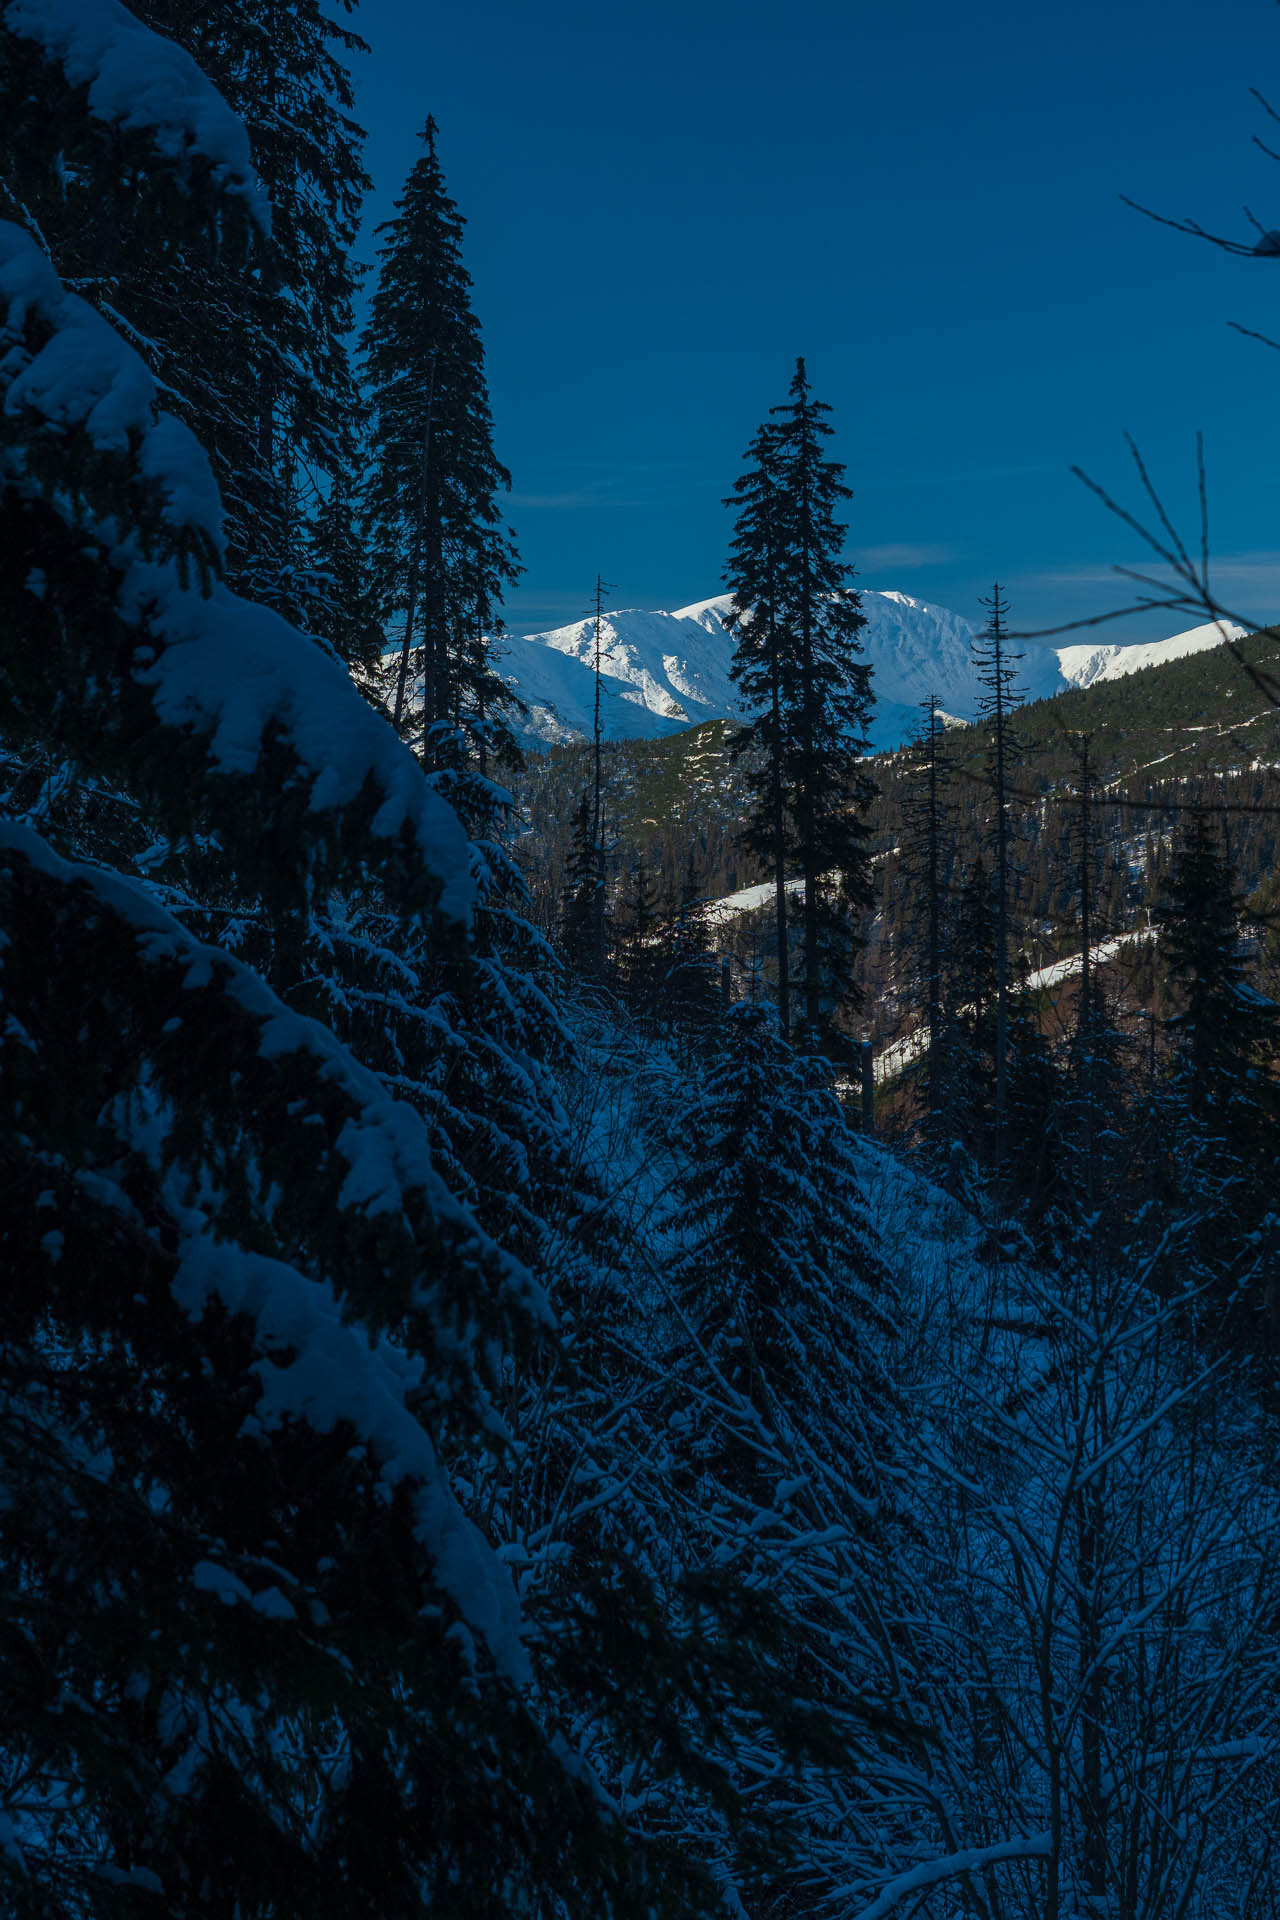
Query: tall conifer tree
(1220,1109)
(754,572)
(267,1664)
(691,989)
(780,1252)
(249,348)
(971,987)
(444,555)
(776,1367)
(996,670)
(584,919)
(1224,1029)
(640,951)
(221,1240)
(806,674)
(344,608)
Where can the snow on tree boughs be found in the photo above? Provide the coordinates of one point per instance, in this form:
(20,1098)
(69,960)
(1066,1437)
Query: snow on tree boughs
(65,377)
(233,685)
(397,1245)
(317,1368)
(252,1343)
(139,81)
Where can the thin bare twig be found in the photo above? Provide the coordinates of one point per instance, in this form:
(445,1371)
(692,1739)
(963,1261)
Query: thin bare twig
(1247,249)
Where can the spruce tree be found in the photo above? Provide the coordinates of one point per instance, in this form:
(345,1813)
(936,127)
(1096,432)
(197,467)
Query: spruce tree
(443,555)
(1023,1150)
(639,948)
(233,1261)
(265,1662)
(283,66)
(1034,1160)
(996,668)
(249,347)
(754,573)
(812,688)
(968,1074)
(344,608)
(778,1244)
(1224,1030)
(691,986)
(584,919)
(1220,1110)
(1094,1042)
(1102,1123)
(778,1369)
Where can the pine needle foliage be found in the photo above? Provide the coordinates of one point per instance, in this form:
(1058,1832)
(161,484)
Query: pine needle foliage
(1218,1111)
(443,555)
(996,667)
(789,1473)
(778,1269)
(243,322)
(928,857)
(264,1663)
(799,668)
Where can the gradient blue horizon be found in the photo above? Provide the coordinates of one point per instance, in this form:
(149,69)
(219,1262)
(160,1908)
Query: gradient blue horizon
(666,204)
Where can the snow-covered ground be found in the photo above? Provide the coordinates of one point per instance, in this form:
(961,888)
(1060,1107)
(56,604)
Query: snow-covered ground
(894,1060)
(731,906)
(663,672)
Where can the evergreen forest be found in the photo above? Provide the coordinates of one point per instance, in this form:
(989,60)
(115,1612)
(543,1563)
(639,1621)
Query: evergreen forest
(652,1329)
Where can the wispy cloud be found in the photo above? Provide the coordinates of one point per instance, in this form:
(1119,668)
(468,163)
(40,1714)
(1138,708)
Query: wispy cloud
(1254,569)
(903,555)
(1050,600)
(1246,583)
(1089,574)
(1259,570)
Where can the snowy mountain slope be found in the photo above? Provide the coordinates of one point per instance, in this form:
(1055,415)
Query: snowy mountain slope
(663,672)
(559,690)
(675,669)
(1082,666)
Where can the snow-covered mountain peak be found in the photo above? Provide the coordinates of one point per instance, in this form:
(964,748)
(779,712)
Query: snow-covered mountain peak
(1082,665)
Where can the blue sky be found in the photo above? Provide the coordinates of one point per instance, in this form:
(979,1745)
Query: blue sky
(666,203)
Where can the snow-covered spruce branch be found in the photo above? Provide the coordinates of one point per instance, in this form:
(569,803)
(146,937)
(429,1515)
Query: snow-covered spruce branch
(141,82)
(955,1866)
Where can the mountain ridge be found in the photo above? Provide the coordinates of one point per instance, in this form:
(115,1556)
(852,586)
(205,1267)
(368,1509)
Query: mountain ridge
(665,672)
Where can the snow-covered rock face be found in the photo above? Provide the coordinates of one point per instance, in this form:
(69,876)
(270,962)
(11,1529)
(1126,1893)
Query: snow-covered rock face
(663,672)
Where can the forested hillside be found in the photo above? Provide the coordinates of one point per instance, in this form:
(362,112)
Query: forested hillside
(1204,730)
(485,1428)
